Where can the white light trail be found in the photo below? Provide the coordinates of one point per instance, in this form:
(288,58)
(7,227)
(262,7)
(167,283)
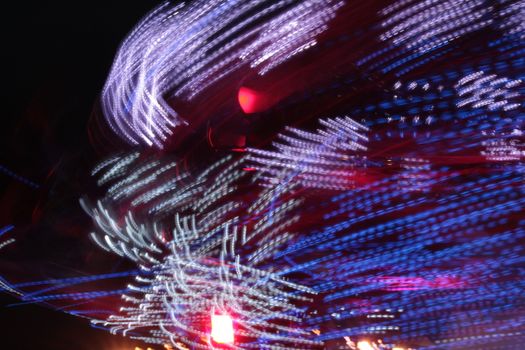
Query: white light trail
(427,25)
(325,159)
(202,251)
(180,50)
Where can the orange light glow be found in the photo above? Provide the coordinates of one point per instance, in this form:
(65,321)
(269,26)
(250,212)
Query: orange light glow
(364,345)
(222,329)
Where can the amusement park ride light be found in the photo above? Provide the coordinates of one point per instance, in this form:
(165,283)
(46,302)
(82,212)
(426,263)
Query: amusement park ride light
(358,200)
(222,329)
(364,345)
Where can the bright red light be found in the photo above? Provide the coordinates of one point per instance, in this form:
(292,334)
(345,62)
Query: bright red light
(222,329)
(247,99)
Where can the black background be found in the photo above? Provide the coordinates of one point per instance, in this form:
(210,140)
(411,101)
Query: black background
(56,58)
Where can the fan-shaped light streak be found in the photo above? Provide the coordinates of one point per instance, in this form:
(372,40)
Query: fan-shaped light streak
(427,25)
(175,51)
(197,263)
(325,159)
(420,32)
(496,93)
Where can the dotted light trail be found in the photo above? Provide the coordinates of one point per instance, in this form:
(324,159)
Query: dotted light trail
(375,202)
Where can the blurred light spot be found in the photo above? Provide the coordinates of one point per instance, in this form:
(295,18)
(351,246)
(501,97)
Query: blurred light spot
(222,329)
(364,345)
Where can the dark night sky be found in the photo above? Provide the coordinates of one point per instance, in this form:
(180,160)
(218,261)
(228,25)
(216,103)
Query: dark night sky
(58,55)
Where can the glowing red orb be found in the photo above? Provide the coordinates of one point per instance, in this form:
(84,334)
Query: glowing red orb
(252,101)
